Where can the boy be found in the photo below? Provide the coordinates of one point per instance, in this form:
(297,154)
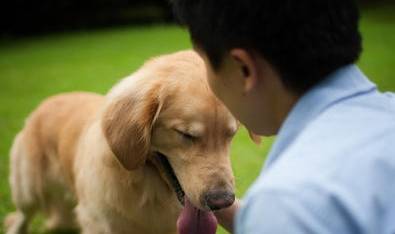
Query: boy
(285,68)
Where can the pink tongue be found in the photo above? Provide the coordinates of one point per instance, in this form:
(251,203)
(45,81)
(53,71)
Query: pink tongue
(195,221)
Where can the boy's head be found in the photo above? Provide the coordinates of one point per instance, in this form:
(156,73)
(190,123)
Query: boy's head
(299,42)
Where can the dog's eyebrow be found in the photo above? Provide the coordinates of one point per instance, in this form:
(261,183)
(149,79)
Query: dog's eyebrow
(233,126)
(231,130)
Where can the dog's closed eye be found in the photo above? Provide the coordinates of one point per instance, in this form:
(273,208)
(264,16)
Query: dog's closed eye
(186,135)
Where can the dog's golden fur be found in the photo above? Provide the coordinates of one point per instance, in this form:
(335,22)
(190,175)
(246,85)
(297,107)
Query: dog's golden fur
(87,160)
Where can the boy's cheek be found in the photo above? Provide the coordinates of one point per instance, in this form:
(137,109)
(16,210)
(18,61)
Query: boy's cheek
(214,85)
(220,92)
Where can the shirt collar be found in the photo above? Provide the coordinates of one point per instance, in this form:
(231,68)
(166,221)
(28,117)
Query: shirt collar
(343,83)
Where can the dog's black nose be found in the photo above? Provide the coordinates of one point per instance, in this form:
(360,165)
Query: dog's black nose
(219,199)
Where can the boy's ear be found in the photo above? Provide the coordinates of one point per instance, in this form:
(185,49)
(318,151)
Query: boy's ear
(248,67)
(255,138)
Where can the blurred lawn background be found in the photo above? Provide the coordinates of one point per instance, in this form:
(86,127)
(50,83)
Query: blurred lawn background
(33,68)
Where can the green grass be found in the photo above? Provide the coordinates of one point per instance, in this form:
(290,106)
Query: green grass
(34,68)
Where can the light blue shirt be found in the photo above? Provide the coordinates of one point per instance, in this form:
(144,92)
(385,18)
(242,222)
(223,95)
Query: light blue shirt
(332,167)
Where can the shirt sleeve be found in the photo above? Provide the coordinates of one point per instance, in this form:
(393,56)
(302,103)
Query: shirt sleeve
(274,212)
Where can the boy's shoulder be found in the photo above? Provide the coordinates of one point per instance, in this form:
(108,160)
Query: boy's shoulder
(352,134)
(336,173)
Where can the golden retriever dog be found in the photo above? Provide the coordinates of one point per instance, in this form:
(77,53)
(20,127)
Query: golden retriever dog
(154,150)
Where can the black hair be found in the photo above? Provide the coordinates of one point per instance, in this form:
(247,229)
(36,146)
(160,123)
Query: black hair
(304,40)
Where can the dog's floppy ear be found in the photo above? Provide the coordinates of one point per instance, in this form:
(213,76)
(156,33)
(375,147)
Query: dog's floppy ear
(127,124)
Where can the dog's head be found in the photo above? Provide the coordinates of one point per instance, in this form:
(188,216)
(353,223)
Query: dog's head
(167,108)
